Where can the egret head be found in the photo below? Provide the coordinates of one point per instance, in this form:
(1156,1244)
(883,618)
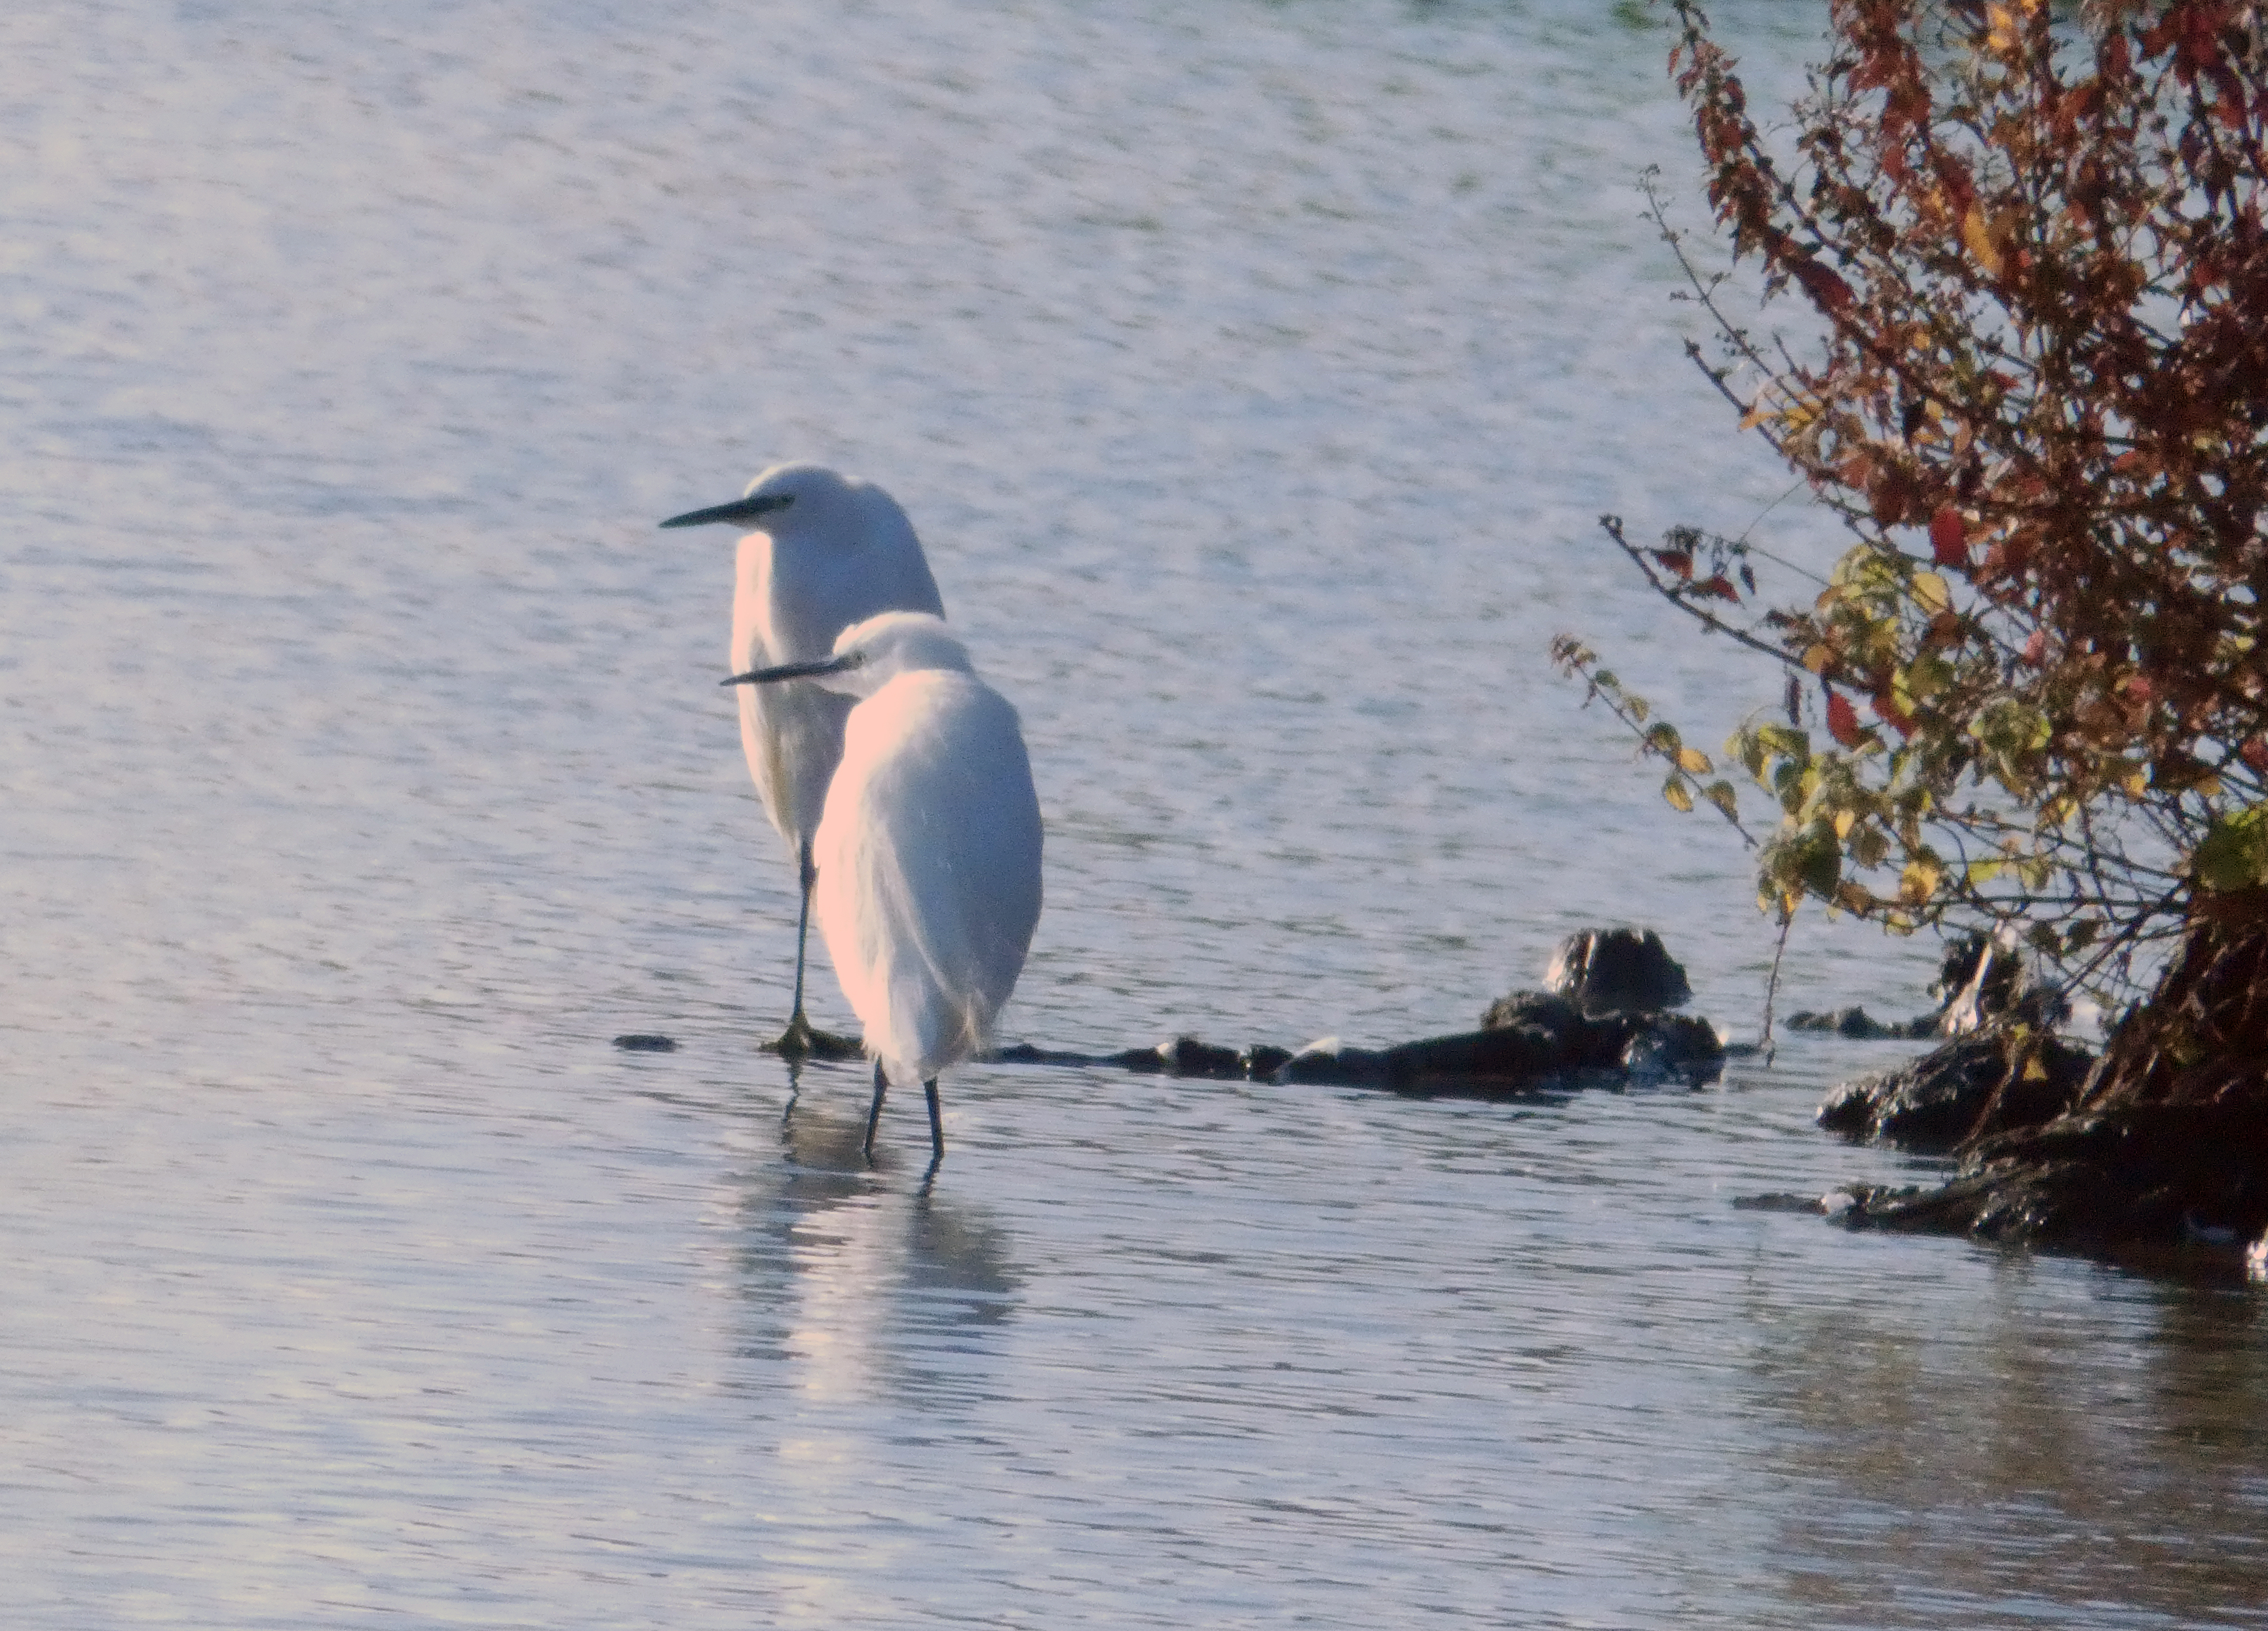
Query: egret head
(787,496)
(869,655)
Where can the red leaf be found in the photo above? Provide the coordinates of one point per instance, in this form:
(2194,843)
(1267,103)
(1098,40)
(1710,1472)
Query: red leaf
(1721,586)
(2036,649)
(1842,720)
(2255,754)
(1828,290)
(1948,538)
(1678,561)
(1891,714)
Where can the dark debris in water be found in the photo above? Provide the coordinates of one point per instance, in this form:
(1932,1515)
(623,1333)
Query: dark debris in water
(1783,1200)
(803,1040)
(646,1042)
(1605,1024)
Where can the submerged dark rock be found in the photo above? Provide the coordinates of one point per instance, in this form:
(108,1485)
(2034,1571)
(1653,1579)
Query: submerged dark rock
(646,1042)
(1985,1082)
(1617,971)
(1546,1042)
(1604,1022)
(1673,1045)
(1185,1056)
(1262,1061)
(1025,1054)
(1483,1062)
(1857,1023)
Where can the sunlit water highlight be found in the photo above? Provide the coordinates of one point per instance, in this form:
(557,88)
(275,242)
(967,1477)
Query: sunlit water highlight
(1254,374)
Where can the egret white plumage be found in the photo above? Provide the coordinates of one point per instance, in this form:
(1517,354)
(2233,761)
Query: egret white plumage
(823,552)
(928,849)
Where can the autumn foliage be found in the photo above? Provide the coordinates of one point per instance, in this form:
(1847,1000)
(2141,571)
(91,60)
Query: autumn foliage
(2027,246)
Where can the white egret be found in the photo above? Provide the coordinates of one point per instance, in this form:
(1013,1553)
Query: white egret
(823,552)
(927,851)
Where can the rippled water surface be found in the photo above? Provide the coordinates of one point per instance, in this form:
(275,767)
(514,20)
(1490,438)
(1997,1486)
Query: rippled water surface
(1254,374)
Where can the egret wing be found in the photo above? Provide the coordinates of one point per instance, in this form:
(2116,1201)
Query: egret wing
(929,866)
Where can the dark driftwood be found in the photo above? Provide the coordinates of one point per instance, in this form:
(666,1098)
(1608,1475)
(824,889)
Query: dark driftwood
(1602,1021)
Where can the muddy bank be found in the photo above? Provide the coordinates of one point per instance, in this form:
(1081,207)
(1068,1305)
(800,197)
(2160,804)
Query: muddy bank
(2162,1142)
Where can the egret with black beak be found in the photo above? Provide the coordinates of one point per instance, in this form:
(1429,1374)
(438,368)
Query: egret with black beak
(821,552)
(928,850)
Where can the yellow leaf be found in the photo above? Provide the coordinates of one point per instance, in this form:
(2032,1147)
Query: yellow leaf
(2137,782)
(1842,820)
(1931,592)
(1818,658)
(1919,882)
(2007,26)
(1694,761)
(2035,1070)
(1978,234)
(1757,415)
(1674,790)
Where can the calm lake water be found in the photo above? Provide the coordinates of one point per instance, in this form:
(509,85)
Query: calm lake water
(1254,374)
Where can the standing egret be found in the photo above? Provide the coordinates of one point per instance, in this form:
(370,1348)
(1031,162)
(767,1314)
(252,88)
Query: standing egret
(823,552)
(928,850)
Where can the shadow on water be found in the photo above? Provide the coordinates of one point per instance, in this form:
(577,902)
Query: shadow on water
(865,1281)
(1972,1472)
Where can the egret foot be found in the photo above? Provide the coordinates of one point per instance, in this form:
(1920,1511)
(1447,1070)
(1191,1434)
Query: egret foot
(803,1039)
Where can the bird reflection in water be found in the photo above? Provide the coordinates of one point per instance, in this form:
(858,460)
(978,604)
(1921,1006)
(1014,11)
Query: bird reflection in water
(860,1278)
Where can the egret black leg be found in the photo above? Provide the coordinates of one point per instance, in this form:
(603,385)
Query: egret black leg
(808,874)
(936,1125)
(874,1114)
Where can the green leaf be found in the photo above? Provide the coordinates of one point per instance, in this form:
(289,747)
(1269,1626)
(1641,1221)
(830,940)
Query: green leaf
(1870,846)
(1820,865)
(2233,853)
(1721,795)
(1928,675)
(1784,742)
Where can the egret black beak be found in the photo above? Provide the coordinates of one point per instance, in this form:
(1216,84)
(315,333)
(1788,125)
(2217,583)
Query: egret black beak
(797,671)
(739,510)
